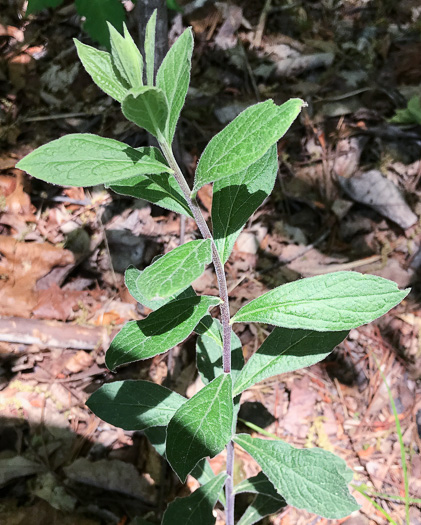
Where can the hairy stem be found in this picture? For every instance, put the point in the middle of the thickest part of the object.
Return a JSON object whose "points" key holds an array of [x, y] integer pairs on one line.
{"points": [[219, 267], [229, 485], [225, 313]]}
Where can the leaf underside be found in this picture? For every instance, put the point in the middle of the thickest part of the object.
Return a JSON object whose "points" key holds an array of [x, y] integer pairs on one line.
{"points": [[99, 65], [209, 348], [131, 281], [261, 506], [266, 502], [147, 108], [197, 508], [149, 48], [159, 188], [126, 56]]}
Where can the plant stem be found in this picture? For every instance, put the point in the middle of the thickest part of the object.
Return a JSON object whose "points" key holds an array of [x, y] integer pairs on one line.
{"points": [[225, 313], [219, 267], [229, 486]]}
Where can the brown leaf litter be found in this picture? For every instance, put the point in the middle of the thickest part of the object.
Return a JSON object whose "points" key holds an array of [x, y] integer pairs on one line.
{"points": [[21, 266]]}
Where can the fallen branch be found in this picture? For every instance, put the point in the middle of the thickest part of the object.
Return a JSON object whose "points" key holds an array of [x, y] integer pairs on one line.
{"points": [[52, 334]]}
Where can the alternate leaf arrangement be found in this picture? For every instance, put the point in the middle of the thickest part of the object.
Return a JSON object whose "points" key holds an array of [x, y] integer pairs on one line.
{"points": [[311, 316]]}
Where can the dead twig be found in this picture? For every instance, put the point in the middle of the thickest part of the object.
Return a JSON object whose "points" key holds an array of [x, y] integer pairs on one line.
{"points": [[52, 334], [262, 23]]}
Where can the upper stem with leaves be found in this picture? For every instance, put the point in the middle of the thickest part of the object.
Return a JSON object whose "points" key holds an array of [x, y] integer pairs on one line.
{"points": [[310, 316], [225, 313]]}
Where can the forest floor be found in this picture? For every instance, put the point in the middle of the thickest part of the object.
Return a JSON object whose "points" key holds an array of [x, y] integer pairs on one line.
{"points": [[347, 197]]}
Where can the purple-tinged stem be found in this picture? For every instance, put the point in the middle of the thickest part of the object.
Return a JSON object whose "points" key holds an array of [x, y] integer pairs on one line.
{"points": [[219, 267], [225, 312]]}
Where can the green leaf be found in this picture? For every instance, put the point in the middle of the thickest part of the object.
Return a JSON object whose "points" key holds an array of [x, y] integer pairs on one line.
{"points": [[266, 502], [172, 4], [411, 114], [99, 66], [38, 5], [414, 108], [284, 351], [147, 107], [201, 427], [196, 508], [82, 159], [126, 56], [237, 197], [175, 271], [135, 405], [131, 279], [261, 506], [160, 331], [157, 437], [160, 188], [209, 357], [150, 49], [209, 347], [140, 521], [173, 78], [311, 479], [203, 472], [97, 13], [258, 484], [245, 140], [336, 301]]}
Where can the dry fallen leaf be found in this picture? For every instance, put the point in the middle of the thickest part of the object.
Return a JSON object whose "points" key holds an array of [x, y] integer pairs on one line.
{"points": [[17, 209], [301, 408], [348, 154], [114, 475], [79, 361], [17, 467], [21, 266], [57, 304], [226, 38], [374, 190]]}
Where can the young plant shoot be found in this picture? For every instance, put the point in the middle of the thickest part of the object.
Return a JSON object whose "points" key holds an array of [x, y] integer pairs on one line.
{"points": [[310, 316]]}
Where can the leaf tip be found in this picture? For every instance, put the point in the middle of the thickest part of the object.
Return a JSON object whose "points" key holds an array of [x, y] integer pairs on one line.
{"points": [[78, 43], [88, 402], [21, 164], [110, 363], [405, 292], [153, 16]]}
